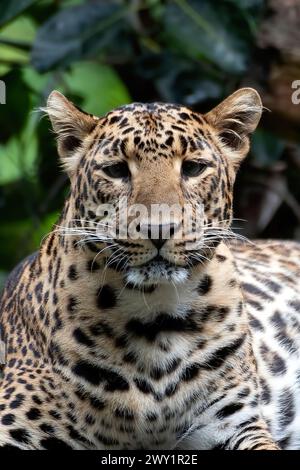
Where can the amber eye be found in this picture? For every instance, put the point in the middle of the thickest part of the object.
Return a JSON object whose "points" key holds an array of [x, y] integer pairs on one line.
{"points": [[192, 168], [117, 170]]}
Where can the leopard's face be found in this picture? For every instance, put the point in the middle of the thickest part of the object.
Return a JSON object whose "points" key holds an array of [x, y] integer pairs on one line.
{"points": [[153, 183]]}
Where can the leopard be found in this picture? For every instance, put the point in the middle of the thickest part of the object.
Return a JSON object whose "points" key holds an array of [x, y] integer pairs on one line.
{"points": [[152, 341]]}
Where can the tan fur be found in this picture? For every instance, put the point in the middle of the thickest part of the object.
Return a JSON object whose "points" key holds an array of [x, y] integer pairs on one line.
{"points": [[110, 346]]}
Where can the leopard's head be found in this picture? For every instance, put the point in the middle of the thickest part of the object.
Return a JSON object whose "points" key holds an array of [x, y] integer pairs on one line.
{"points": [[152, 184]]}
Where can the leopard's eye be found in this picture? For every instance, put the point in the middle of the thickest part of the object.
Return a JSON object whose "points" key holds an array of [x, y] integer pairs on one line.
{"points": [[192, 168], [117, 170]]}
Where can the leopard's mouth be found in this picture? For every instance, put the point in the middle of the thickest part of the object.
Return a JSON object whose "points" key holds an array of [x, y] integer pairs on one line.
{"points": [[158, 270], [158, 261]]}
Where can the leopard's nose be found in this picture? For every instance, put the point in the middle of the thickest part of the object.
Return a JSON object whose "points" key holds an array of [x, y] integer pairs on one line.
{"points": [[159, 234]]}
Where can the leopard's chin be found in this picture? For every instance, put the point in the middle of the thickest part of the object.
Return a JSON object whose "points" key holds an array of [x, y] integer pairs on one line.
{"points": [[156, 271]]}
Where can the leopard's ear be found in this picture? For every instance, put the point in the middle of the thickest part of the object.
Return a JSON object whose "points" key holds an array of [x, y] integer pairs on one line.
{"points": [[236, 118], [71, 126]]}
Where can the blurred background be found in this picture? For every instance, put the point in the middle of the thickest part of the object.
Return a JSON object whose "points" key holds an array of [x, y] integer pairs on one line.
{"points": [[102, 54]]}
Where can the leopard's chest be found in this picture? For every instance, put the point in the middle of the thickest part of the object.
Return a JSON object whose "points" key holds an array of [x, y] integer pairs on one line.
{"points": [[148, 415], [155, 372], [150, 403]]}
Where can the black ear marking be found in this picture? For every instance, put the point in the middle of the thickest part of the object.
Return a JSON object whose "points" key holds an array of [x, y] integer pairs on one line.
{"points": [[230, 138], [71, 125], [236, 118], [70, 143]]}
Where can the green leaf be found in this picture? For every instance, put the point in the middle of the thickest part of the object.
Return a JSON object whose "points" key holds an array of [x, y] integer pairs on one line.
{"points": [[35, 81], [18, 157], [81, 31], [4, 69], [98, 86], [18, 145], [203, 32], [11, 8], [22, 28], [19, 32]]}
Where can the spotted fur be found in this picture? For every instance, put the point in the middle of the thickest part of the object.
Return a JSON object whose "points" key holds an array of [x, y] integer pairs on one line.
{"points": [[111, 347]]}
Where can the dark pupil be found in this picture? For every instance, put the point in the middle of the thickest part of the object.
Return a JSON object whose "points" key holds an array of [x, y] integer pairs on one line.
{"points": [[119, 170], [192, 168]]}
